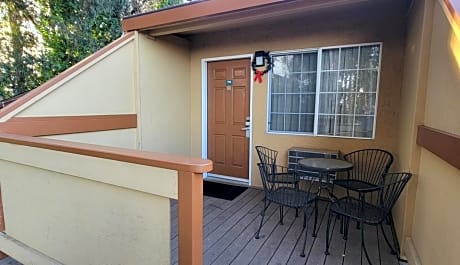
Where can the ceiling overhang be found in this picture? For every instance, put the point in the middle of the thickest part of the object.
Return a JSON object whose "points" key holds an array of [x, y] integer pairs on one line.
{"points": [[216, 14]]}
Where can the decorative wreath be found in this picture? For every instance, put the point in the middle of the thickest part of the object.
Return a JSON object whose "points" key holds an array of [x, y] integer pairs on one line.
{"points": [[268, 63]]}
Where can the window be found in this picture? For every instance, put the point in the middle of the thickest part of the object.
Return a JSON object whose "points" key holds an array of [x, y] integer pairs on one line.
{"points": [[328, 91]]}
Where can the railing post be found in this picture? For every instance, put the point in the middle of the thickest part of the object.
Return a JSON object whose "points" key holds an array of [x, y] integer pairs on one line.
{"points": [[190, 218], [2, 222]]}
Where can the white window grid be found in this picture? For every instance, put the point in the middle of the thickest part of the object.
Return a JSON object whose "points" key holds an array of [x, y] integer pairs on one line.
{"points": [[286, 94], [317, 93]]}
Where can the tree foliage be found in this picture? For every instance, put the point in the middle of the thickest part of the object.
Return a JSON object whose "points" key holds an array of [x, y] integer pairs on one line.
{"points": [[74, 29], [41, 38], [19, 51]]}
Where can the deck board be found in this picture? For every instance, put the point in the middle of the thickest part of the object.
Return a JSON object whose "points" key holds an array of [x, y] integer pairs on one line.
{"points": [[315, 244], [233, 222], [241, 241], [246, 255], [271, 244], [229, 236], [230, 226], [337, 244], [353, 248], [212, 252], [288, 243], [210, 211]]}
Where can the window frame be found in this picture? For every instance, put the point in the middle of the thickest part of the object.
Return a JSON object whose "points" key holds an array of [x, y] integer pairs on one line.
{"points": [[319, 52]]}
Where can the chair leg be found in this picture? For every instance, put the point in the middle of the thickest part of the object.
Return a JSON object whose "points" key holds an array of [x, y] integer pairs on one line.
{"points": [[342, 225], [262, 219], [327, 233], [363, 246], [393, 252], [316, 218], [304, 219], [378, 244], [387, 220], [302, 254], [281, 214], [395, 236], [361, 199], [346, 224], [297, 209]]}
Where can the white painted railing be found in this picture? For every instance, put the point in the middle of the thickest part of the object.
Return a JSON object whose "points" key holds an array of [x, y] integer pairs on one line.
{"points": [[74, 203]]}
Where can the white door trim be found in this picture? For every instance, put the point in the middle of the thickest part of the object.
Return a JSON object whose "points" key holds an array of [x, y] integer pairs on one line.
{"points": [[204, 112]]}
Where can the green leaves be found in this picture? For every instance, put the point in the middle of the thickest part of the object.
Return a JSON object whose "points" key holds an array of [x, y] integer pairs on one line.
{"points": [[19, 50], [74, 29], [41, 38]]}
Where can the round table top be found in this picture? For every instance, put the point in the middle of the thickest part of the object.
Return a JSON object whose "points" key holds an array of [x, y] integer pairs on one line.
{"points": [[326, 164]]}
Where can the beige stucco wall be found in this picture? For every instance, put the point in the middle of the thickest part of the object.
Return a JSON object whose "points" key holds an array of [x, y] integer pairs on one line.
{"points": [[343, 27], [164, 94], [417, 50], [150, 77], [125, 138], [435, 230], [85, 210], [103, 87]]}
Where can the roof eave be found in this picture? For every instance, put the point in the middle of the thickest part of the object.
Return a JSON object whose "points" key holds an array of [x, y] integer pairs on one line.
{"points": [[206, 13]]}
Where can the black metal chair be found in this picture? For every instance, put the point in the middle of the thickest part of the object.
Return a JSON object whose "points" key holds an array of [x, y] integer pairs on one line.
{"points": [[268, 156], [284, 190], [369, 167], [373, 209]]}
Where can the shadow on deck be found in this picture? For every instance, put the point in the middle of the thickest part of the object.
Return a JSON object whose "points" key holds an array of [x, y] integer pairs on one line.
{"points": [[229, 228]]}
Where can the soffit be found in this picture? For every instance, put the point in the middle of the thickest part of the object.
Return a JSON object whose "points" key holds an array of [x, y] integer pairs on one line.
{"points": [[205, 16]]}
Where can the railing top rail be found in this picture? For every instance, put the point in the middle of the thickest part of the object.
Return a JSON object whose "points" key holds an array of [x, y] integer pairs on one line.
{"points": [[168, 161]]}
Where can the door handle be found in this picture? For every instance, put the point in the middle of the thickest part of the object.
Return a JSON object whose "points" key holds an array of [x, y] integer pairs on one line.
{"points": [[247, 131]]}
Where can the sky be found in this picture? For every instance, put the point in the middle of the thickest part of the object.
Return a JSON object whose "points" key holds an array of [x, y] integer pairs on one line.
{"points": [[456, 5]]}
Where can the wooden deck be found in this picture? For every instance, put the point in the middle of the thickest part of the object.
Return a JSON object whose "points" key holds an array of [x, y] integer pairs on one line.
{"points": [[229, 228]]}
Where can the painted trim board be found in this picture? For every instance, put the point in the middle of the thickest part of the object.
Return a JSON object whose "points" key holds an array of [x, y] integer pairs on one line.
{"points": [[58, 125], [443, 144]]}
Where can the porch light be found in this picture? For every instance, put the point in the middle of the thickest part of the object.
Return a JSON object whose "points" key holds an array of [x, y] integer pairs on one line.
{"points": [[261, 59]]}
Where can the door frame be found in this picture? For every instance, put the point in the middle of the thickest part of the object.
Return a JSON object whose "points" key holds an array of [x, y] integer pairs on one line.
{"points": [[204, 115]]}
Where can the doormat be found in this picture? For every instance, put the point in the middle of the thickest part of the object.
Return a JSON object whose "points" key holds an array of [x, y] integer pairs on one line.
{"points": [[222, 191]]}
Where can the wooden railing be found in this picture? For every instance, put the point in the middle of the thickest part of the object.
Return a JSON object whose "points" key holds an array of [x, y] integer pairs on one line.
{"points": [[59, 125], [443, 144], [56, 194]]}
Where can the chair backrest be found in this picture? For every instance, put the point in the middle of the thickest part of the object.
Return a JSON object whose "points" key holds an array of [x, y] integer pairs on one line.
{"points": [[393, 187], [266, 155], [275, 179], [266, 174], [369, 165]]}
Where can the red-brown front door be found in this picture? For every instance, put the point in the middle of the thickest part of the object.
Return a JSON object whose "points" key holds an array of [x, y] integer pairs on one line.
{"points": [[228, 109]]}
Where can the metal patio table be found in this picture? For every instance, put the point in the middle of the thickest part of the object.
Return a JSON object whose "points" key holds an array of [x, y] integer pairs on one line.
{"points": [[324, 167]]}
